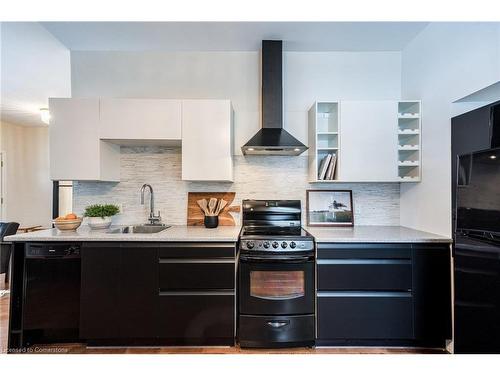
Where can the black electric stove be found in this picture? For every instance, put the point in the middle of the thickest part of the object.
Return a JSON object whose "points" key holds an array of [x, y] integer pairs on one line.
{"points": [[276, 276]]}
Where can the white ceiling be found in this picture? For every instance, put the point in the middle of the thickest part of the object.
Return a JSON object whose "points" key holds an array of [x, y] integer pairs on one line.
{"points": [[234, 36]]}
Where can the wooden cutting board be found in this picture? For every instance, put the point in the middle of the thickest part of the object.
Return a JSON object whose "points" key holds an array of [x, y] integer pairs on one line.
{"points": [[195, 215]]}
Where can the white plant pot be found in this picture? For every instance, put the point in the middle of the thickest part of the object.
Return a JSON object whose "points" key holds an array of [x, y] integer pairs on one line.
{"points": [[99, 222]]}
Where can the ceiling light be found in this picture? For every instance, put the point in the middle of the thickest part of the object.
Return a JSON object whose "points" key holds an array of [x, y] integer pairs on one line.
{"points": [[45, 115]]}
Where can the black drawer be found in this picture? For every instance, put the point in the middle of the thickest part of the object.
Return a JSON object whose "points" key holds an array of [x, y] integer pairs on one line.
{"points": [[196, 274], [365, 316], [198, 250], [364, 251], [197, 318], [277, 331], [364, 274]]}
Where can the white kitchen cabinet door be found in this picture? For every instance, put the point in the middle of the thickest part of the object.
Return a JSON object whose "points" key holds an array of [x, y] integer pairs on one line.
{"points": [[140, 119], [76, 153], [368, 150], [207, 140]]}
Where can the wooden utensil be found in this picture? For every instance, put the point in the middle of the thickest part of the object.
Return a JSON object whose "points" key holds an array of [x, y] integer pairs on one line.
{"points": [[216, 212], [196, 216], [221, 205], [212, 204], [203, 205]]}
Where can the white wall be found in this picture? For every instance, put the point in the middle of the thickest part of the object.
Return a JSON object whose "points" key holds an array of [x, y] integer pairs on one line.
{"points": [[28, 189], [308, 76], [34, 67], [445, 62]]}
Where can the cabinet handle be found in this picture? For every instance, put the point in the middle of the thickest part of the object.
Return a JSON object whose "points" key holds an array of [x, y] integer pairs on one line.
{"points": [[363, 294], [364, 261], [198, 293], [200, 261]]}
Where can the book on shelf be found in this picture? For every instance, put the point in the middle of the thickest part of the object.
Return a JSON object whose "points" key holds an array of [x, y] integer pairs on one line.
{"points": [[327, 167], [331, 168], [324, 167]]}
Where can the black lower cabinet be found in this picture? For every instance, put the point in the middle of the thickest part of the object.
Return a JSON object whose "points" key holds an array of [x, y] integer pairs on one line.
{"points": [[196, 274], [197, 318], [365, 316], [197, 294], [140, 292], [100, 300], [119, 291], [157, 293], [384, 294]]}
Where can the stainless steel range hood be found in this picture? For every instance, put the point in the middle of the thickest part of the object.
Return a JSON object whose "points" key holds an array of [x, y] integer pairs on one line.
{"points": [[272, 139]]}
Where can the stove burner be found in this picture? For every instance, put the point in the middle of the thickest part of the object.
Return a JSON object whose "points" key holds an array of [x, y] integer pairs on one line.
{"points": [[274, 226], [274, 231]]}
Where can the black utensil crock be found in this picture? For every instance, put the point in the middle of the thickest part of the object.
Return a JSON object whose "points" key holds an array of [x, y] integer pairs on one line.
{"points": [[211, 221]]}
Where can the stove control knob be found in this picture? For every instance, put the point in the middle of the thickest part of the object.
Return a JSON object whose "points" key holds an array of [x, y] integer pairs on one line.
{"points": [[284, 245], [266, 244], [275, 244], [250, 245], [293, 245]]}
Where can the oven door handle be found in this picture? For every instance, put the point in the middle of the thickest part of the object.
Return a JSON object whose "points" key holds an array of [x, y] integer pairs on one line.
{"points": [[286, 259], [284, 298], [278, 323]]}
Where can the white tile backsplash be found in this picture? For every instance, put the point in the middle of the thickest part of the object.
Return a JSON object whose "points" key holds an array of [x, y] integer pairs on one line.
{"points": [[256, 177]]}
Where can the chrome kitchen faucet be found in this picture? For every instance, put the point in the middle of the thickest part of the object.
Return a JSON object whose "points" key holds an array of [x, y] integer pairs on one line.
{"points": [[153, 219]]}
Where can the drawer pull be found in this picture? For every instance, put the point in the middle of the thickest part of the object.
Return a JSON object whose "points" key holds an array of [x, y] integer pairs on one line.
{"points": [[199, 293], [202, 261], [364, 261], [364, 294]]}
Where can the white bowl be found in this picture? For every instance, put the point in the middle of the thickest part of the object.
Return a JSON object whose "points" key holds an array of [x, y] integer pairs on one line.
{"points": [[99, 222]]}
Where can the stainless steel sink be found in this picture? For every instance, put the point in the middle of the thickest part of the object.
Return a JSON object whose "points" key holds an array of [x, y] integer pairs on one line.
{"points": [[146, 228]]}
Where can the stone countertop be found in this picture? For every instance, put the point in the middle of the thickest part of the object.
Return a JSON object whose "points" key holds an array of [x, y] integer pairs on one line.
{"points": [[182, 233], [374, 234], [176, 233]]}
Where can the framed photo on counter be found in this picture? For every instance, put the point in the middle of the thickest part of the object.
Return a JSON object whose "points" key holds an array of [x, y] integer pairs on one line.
{"points": [[329, 208]]}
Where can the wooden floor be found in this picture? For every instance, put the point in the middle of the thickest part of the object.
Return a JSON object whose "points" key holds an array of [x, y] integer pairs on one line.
{"points": [[83, 349]]}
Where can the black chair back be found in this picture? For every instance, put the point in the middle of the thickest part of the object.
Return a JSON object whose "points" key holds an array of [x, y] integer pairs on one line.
{"points": [[6, 229]]}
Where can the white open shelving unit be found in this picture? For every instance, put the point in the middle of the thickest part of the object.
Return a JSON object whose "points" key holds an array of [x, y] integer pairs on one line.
{"points": [[409, 140], [324, 137], [373, 141]]}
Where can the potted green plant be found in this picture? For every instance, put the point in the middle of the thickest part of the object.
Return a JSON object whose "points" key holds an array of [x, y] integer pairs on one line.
{"points": [[100, 215]]}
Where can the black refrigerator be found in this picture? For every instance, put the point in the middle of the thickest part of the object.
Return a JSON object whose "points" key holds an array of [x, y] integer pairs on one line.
{"points": [[477, 253]]}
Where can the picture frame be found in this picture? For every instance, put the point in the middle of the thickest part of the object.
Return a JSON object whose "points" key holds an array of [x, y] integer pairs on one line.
{"points": [[329, 208]]}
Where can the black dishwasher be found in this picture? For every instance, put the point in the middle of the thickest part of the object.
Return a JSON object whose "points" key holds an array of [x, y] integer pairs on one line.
{"points": [[51, 308]]}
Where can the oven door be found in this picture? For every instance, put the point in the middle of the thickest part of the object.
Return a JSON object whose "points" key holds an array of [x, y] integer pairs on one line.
{"points": [[276, 285]]}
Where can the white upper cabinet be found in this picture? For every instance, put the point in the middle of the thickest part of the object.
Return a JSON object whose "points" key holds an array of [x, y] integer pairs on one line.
{"points": [[366, 141], [157, 120], [76, 152], [85, 135], [369, 139], [409, 140], [207, 140]]}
